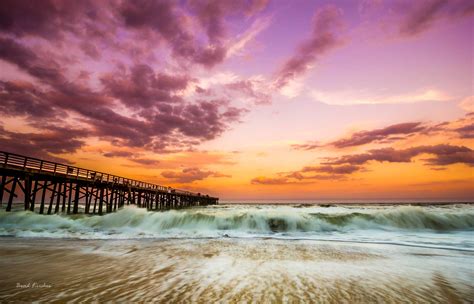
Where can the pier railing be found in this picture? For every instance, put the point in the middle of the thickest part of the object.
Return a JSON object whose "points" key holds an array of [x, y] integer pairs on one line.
{"points": [[73, 190], [43, 166]]}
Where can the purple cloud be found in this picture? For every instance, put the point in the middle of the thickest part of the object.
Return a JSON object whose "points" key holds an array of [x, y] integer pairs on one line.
{"points": [[169, 21], [384, 134], [343, 169], [270, 181], [165, 120], [444, 154], [421, 15], [250, 89], [189, 175], [143, 88], [130, 100], [326, 22], [42, 145], [466, 131]]}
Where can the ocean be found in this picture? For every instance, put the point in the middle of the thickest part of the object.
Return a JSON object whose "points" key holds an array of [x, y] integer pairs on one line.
{"points": [[233, 253]]}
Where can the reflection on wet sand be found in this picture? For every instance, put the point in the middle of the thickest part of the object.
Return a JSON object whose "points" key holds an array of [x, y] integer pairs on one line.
{"points": [[231, 270]]}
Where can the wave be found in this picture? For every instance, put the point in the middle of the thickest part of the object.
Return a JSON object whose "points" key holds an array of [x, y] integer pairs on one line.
{"points": [[134, 222]]}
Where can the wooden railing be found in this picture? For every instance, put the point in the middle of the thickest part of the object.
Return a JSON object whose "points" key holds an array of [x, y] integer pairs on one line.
{"points": [[43, 166]]}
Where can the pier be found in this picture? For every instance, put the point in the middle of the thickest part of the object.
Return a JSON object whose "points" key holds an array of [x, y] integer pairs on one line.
{"points": [[48, 187]]}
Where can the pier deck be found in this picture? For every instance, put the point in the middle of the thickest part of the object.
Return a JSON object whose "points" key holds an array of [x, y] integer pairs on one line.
{"points": [[48, 187]]}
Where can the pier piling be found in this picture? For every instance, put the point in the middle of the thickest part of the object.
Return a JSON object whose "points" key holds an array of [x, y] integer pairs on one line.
{"points": [[72, 190]]}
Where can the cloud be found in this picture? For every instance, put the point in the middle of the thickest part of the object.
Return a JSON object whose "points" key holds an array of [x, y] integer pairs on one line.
{"points": [[444, 154], [312, 145], [121, 69], [119, 154], [408, 19], [47, 19], [466, 131], [189, 175], [340, 168], [461, 128], [269, 181], [133, 157], [258, 26], [252, 88], [293, 87], [385, 134], [326, 22], [211, 14], [146, 162], [142, 87], [467, 104], [44, 145], [440, 155], [167, 20], [24, 99], [171, 22], [420, 16], [287, 180], [351, 97], [343, 169], [166, 119], [321, 172]]}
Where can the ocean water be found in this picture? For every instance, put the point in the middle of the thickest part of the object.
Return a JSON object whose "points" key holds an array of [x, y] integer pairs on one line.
{"points": [[243, 253]]}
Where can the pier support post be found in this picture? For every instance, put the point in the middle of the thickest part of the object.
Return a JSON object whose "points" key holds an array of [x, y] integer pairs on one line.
{"points": [[101, 200], [2, 187], [53, 193], [43, 196], [58, 199], [33, 199], [27, 191], [76, 199], [69, 201], [12, 194]]}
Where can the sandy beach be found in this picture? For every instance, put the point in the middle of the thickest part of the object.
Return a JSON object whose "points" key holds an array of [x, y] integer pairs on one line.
{"points": [[230, 271]]}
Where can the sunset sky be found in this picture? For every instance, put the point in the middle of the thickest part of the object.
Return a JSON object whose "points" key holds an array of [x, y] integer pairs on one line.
{"points": [[248, 99]]}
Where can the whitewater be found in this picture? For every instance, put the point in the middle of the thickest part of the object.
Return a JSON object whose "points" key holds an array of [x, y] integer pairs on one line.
{"points": [[450, 226]]}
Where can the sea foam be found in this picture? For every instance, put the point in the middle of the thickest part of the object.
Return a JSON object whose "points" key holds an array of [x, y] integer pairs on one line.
{"points": [[218, 221]]}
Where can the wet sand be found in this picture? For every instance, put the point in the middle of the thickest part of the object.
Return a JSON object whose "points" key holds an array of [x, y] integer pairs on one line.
{"points": [[230, 271]]}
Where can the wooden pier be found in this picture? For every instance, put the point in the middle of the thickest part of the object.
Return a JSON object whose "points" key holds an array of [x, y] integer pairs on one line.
{"points": [[47, 188]]}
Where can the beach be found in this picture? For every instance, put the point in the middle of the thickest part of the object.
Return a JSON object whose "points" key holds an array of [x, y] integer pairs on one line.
{"points": [[190, 259], [230, 271]]}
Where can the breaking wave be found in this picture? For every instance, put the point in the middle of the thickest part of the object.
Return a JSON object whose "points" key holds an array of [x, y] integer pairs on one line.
{"points": [[223, 221]]}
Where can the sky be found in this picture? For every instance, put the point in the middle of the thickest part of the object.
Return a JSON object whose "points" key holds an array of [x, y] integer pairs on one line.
{"points": [[247, 99]]}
